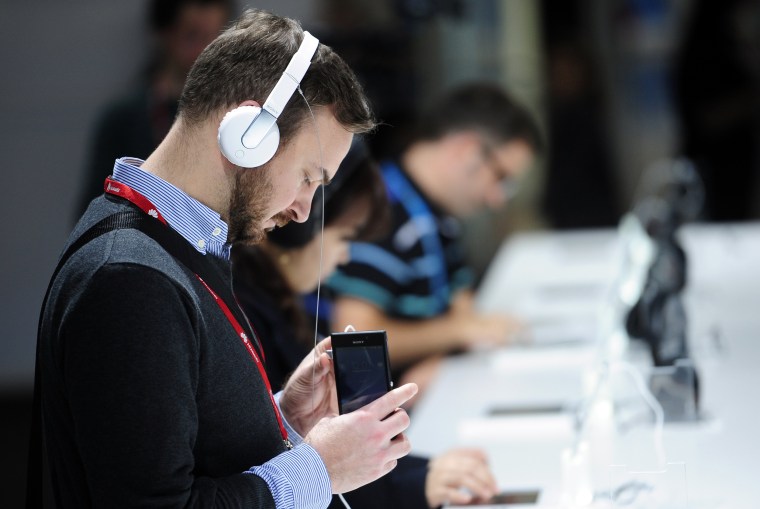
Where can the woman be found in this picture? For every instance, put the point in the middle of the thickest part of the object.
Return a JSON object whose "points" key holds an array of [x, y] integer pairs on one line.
{"points": [[270, 280]]}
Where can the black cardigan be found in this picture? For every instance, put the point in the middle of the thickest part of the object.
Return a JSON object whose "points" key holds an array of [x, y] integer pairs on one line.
{"points": [[149, 398]]}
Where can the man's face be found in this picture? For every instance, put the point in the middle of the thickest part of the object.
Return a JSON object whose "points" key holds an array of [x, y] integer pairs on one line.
{"points": [[282, 190], [490, 176]]}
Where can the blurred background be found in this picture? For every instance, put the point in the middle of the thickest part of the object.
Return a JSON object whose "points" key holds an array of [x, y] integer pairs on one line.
{"points": [[617, 85]]}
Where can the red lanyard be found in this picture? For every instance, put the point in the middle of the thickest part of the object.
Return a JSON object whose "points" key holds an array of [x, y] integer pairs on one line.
{"points": [[126, 192], [118, 189]]}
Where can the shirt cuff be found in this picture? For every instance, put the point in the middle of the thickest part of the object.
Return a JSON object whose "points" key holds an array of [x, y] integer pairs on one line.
{"points": [[293, 435], [297, 479]]}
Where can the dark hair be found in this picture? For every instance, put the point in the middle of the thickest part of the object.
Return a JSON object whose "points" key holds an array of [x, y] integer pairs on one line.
{"points": [[163, 14], [258, 274], [247, 59], [361, 180], [481, 107]]}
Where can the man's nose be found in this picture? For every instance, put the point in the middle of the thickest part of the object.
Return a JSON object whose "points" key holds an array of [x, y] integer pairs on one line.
{"points": [[302, 206]]}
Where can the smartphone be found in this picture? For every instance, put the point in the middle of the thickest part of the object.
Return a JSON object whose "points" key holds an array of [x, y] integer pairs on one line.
{"points": [[527, 497], [362, 369], [526, 410], [515, 497]]}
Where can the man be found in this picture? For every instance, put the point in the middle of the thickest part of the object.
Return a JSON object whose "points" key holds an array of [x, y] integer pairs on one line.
{"points": [[467, 154], [153, 390]]}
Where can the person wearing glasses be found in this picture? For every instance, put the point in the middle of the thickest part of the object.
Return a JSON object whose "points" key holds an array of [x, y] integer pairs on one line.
{"points": [[468, 152]]}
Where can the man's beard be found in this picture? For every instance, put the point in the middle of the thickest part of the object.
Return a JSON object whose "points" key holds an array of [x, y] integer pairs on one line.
{"points": [[248, 207]]}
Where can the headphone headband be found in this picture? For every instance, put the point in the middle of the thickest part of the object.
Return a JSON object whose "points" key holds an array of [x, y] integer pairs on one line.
{"points": [[248, 136], [292, 76], [282, 92]]}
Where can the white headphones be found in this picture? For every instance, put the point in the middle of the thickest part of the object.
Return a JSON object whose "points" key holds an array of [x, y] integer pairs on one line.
{"points": [[248, 135]]}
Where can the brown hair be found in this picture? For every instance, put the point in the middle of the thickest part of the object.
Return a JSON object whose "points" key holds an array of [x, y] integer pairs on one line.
{"points": [[248, 58], [483, 107], [359, 180]]}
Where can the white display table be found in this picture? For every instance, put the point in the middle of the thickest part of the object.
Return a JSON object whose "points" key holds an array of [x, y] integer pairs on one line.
{"points": [[561, 282]]}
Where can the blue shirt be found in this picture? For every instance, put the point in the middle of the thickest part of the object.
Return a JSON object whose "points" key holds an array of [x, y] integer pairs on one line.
{"points": [[413, 272], [297, 478], [199, 225]]}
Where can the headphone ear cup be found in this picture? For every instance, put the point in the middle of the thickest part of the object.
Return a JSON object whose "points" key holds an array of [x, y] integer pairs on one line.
{"points": [[230, 138]]}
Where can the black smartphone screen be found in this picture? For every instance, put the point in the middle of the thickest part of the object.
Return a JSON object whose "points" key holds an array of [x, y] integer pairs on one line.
{"points": [[511, 498], [526, 410], [362, 372], [516, 497]]}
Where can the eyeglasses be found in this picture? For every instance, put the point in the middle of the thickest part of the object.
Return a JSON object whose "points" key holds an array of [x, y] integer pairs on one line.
{"points": [[509, 184]]}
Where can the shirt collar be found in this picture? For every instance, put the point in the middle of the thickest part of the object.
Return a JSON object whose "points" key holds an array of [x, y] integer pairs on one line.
{"points": [[435, 209], [198, 224]]}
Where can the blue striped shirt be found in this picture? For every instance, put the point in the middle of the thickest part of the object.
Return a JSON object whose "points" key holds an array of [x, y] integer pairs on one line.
{"points": [[199, 225], [297, 478], [415, 270]]}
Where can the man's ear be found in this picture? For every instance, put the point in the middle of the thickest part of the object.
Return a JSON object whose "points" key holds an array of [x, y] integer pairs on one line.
{"points": [[247, 137], [249, 102]]}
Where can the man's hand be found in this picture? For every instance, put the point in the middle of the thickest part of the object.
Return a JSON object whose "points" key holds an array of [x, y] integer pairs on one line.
{"points": [[309, 395], [491, 330], [454, 470], [364, 445], [476, 329]]}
